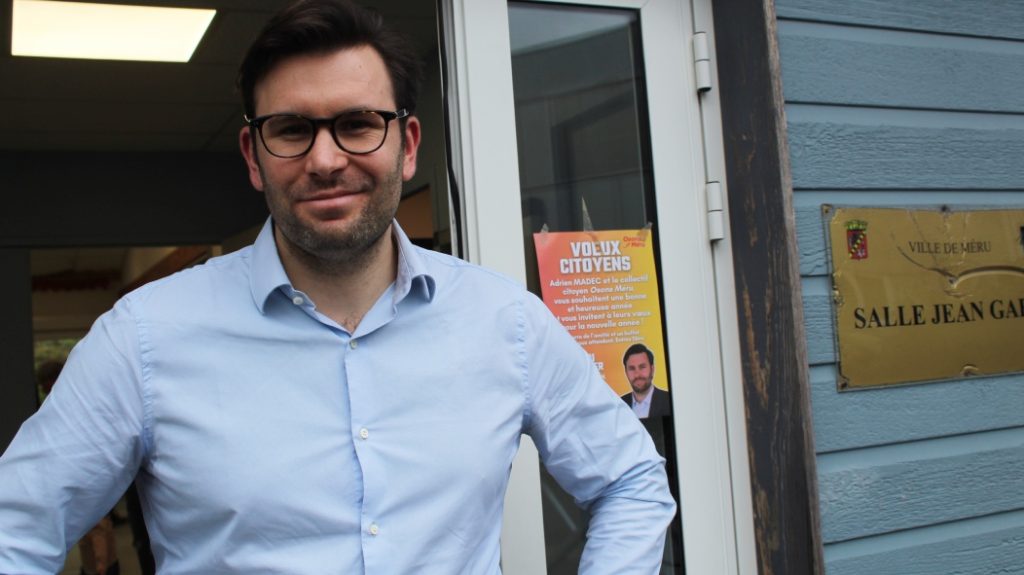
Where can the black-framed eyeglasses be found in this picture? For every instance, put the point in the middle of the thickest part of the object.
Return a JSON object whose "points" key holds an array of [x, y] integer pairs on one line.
{"points": [[356, 132]]}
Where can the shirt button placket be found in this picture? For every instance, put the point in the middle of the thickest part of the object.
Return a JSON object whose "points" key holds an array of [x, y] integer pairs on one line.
{"points": [[373, 530]]}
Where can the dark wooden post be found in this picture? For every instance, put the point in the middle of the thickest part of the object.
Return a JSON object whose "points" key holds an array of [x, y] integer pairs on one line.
{"points": [[766, 260]]}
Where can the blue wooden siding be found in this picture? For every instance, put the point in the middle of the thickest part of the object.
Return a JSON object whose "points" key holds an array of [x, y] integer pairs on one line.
{"points": [[909, 103]]}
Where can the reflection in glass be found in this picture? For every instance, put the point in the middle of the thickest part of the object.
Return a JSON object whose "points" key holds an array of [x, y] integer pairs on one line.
{"points": [[584, 163]]}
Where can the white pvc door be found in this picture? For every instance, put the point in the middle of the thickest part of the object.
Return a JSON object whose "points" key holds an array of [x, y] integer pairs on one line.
{"points": [[576, 116]]}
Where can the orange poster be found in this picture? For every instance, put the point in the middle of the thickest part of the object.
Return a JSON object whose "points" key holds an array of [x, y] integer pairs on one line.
{"points": [[603, 287]]}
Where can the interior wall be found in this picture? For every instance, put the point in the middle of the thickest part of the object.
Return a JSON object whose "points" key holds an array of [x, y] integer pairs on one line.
{"points": [[17, 380], [165, 198], [415, 215], [432, 162]]}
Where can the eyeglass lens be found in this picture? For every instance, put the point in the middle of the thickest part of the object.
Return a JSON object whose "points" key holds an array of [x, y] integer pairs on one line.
{"points": [[355, 132]]}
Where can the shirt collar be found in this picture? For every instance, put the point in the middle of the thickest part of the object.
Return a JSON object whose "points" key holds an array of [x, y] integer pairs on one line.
{"points": [[647, 400], [412, 274], [268, 275]]}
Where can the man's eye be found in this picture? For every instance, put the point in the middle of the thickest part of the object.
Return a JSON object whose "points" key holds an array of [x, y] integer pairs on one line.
{"points": [[357, 123], [288, 128], [353, 125]]}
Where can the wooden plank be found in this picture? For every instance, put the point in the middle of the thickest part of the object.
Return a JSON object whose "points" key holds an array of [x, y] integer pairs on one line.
{"points": [[884, 416], [811, 237], [819, 328], [984, 18], [885, 489], [983, 546], [855, 66], [886, 149], [774, 364]]}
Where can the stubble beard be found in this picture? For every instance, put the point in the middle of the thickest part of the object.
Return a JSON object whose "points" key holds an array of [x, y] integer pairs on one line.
{"points": [[338, 251], [640, 385]]}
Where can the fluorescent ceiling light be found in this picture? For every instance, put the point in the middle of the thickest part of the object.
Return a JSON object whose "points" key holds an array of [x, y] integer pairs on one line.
{"points": [[106, 31]]}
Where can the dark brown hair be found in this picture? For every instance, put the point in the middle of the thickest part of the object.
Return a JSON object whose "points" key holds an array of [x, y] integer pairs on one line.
{"points": [[321, 26], [638, 348]]}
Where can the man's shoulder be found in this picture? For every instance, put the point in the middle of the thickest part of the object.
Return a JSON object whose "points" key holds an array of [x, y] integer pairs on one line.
{"points": [[481, 292], [661, 402], [459, 274], [192, 286]]}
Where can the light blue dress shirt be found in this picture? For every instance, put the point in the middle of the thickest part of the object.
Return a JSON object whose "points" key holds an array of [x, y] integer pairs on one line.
{"points": [[643, 408], [267, 439]]}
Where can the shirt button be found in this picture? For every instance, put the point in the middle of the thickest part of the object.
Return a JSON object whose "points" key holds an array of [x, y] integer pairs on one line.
{"points": [[297, 300], [364, 433], [353, 344], [374, 530]]}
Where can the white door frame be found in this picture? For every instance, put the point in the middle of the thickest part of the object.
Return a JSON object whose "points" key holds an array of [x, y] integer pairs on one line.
{"points": [[483, 139]]}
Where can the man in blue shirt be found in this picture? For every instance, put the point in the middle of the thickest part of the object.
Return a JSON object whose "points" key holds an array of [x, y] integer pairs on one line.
{"points": [[331, 399]]}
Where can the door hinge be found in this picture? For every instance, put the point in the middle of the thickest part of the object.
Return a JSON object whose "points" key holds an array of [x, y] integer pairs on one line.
{"points": [[716, 215], [702, 61]]}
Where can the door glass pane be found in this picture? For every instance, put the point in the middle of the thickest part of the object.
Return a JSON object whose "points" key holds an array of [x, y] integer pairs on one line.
{"points": [[584, 164]]}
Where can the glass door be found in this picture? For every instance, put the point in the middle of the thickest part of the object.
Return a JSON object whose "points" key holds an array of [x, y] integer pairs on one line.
{"points": [[579, 128], [585, 166]]}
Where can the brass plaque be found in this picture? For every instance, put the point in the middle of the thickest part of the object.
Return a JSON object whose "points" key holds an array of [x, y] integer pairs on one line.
{"points": [[924, 295]]}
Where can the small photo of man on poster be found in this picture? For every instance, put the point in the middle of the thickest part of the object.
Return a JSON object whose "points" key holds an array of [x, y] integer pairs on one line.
{"points": [[645, 399]]}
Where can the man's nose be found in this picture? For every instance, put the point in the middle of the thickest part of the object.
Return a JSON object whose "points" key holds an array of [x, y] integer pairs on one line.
{"points": [[325, 157]]}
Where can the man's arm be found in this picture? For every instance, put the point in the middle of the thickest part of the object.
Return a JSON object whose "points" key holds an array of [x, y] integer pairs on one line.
{"points": [[72, 460], [597, 450]]}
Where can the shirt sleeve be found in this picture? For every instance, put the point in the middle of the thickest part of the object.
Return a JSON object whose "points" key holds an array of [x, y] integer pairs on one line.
{"points": [[597, 450], [71, 461]]}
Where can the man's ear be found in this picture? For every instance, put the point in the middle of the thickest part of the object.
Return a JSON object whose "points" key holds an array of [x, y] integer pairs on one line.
{"points": [[247, 143], [410, 146]]}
